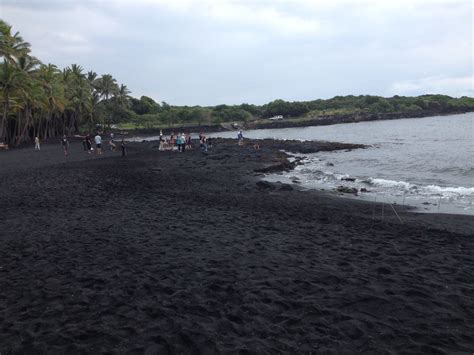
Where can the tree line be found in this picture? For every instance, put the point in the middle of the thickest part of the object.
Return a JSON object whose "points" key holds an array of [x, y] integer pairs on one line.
{"points": [[40, 100], [145, 112]]}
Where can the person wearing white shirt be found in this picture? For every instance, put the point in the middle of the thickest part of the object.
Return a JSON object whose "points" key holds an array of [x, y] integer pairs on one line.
{"points": [[98, 143]]}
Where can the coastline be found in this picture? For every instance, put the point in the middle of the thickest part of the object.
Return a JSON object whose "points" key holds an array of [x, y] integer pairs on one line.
{"points": [[353, 118], [170, 252], [317, 121]]}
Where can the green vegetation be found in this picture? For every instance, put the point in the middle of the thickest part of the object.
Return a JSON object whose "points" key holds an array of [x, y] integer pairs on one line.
{"points": [[41, 100], [163, 116]]}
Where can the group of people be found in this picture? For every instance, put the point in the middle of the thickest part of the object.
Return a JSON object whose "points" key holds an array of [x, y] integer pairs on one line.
{"points": [[179, 142], [87, 144]]}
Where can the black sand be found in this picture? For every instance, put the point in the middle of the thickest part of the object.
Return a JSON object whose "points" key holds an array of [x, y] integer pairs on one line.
{"points": [[162, 252]]}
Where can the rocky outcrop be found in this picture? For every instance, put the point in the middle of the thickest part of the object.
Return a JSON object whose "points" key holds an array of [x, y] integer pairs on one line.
{"points": [[349, 118], [347, 190]]}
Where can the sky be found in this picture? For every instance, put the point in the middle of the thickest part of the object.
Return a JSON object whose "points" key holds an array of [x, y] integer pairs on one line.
{"points": [[204, 52]]}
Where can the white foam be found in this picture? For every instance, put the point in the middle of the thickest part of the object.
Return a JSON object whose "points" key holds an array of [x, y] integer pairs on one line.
{"points": [[461, 191], [390, 183]]}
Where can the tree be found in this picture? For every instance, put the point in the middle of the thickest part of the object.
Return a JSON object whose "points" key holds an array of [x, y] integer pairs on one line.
{"points": [[121, 98], [12, 46], [107, 86]]}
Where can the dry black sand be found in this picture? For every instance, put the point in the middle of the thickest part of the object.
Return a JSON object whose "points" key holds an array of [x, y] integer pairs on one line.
{"points": [[162, 252]]}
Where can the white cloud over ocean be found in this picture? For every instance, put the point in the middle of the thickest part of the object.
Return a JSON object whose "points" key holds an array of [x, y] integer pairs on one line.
{"points": [[231, 51]]}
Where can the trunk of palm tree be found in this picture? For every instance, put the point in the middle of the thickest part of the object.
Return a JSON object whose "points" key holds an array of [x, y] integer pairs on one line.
{"points": [[3, 127], [15, 130]]}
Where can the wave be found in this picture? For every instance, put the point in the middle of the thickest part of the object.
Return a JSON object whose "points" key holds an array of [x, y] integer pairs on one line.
{"points": [[463, 191], [390, 183], [445, 191]]}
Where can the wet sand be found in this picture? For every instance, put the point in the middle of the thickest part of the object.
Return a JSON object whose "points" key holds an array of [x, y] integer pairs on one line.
{"points": [[162, 252]]}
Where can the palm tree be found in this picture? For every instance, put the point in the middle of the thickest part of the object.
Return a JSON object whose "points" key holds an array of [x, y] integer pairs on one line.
{"points": [[41, 100], [121, 98], [11, 46], [50, 79], [12, 83], [107, 86]]}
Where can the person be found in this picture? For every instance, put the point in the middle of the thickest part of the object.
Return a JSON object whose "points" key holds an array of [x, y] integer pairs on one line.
{"points": [[162, 144], [84, 144], [178, 142], [122, 147], [88, 144], [65, 144], [240, 137], [203, 142], [183, 142], [37, 144], [188, 141], [112, 145], [172, 141], [209, 143], [98, 143]]}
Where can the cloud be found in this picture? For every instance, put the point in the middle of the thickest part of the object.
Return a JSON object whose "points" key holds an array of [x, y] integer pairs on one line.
{"points": [[456, 86], [229, 51]]}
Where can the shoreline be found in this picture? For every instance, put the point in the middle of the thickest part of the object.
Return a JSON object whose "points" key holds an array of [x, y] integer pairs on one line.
{"points": [[176, 252], [317, 121]]}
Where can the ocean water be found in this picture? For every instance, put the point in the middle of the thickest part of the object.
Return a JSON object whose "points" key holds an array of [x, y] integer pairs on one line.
{"points": [[424, 162]]}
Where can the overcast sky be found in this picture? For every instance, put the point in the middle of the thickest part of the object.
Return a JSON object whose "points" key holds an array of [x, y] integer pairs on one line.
{"points": [[203, 52]]}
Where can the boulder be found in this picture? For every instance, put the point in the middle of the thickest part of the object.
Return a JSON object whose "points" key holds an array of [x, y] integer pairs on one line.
{"points": [[347, 190]]}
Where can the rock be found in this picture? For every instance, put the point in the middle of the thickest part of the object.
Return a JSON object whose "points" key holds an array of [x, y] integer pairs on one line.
{"points": [[286, 187], [329, 164], [347, 190], [364, 190], [295, 180], [348, 179], [282, 166], [265, 185]]}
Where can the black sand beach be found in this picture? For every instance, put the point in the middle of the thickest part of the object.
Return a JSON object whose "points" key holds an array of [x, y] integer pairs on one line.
{"points": [[162, 252]]}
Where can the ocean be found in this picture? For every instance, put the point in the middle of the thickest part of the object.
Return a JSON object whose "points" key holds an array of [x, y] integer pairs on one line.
{"points": [[426, 162]]}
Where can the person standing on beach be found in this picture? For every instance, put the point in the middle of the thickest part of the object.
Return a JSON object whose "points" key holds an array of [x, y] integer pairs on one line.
{"points": [[37, 144], [203, 141], [240, 137], [122, 147], [65, 144], [161, 147], [172, 141], [112, 145], [84, 144], [98, 143], [183, 142], [188, 141], [88, 144]]}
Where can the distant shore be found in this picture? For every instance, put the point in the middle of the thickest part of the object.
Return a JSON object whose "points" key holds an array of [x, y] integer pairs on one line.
{"points": [[167, 252], [289, 123]]}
